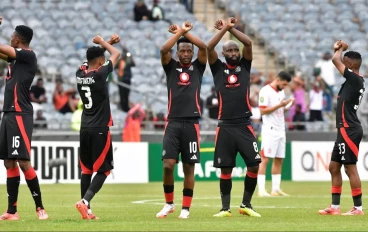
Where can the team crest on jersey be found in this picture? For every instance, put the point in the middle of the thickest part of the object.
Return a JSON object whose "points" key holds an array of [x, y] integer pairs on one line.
{"points": [[238, 69], [232, 81], [106, 63], [184, 79]]}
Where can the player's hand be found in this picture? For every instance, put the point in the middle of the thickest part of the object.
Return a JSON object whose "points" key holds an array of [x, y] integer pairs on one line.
{"points": [[114, 39], [231, 22], [97, 39], [283, 103], [337, 45], [187, 26], [173, 29], [219, 24], [344, 46], [1, 19]]}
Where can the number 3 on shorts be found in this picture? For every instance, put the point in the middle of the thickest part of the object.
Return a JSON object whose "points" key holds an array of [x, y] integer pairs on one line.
{"points": [[88, 96], [255, 146]]}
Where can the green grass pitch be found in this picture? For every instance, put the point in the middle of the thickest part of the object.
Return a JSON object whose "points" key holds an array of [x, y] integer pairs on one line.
{"points": [[132, 207]]}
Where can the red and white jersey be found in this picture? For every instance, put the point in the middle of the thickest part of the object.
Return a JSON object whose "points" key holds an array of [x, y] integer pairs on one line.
{"points": [[268, 97]]}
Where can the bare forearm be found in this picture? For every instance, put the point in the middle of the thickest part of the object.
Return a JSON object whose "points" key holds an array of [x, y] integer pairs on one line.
{"points": [[243, 38], [171, 42], [195, 40], [114, 52], [337, 57], [216, 39]]}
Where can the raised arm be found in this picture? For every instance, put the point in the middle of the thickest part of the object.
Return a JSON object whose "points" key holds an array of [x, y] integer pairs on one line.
{"points": [[336, 59], [243, 38], [202, 53], [114, 52], [212, 54], [7, 51], [165, 50]]}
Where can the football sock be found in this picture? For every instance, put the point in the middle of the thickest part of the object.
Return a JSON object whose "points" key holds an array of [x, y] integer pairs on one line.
{"points": [[187, 198], [276, 180], [34, 186], [261, 183], [250, 183], [357, 197], [169, 194], [85, 183], [225, 190], [95, 186], [336, 195], [12, 186]]}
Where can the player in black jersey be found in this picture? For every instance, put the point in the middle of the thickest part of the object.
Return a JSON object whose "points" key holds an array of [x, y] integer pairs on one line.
{"points": [[96, 154], [350, 132], [234, 132], [184, 79], [17, 122]]}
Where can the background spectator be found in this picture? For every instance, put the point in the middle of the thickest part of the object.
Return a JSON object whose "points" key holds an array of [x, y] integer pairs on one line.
{"points": [[316, 100], [141, 11], [38, 92], [212, 104], [299, 118], [77, 117], [298, 91], [40, 120], [157, 11], [132, 127], [188, 4], [64, 101], [124, 73]]}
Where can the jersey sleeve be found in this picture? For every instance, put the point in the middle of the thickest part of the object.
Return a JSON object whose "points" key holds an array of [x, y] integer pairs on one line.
{"points": [[199, 65], [215, 67], [169, 66], [263, 99], [352, 77], [24, 55], [246, 63]]}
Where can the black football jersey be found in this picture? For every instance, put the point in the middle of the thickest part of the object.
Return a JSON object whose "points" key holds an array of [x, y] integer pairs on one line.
{"points": [[348, 100], [92, 90], [184, 88], [21, 71], [232, 85]]}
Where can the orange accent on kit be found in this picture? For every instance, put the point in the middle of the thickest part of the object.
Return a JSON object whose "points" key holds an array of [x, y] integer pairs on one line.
{"points": [[356, 192], [30, 174], [252, 174], [187, 201], [336, 189], [225, 176], [350, 143], [12, 172]]}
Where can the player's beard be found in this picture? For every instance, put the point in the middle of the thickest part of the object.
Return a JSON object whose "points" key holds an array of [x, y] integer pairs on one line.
{"points": [[278, 88], [232, 61]]}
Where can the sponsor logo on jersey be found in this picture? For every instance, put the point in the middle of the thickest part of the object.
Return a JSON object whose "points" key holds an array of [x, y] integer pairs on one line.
{"points": [[184, 79], [232, 80]]}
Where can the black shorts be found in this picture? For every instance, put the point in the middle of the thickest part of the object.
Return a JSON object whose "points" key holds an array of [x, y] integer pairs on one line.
{"points": [[346, 148], [65, 109], [181, 136], [95, 151], [230, 140], [16, 136]]}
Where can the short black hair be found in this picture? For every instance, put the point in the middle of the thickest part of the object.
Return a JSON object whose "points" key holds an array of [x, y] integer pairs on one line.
{"points": [[26, 33], [182, 40], [39, 79], [284, 76], [94, 52], [353, 55]]}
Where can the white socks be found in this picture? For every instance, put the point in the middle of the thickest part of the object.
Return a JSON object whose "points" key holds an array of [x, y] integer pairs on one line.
{"points": [[276, 180], [261, 181]]}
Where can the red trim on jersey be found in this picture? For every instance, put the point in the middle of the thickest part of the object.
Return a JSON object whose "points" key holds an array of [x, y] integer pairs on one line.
{"points": [[262, 153], [88, 71], [217, 132], [16, 105], [247, 100], [225, 176], [85, 170], [102, 157], [252, 174], [107, 173], [196, 126], [110, 123], [273, 88], [197, 103], [169, 107], [12, 172], [350, 143], [23, 133], [343, 115], [230, 66], [262, 107], [185, 65], [336, 189], [220, 106], [251, 130]]}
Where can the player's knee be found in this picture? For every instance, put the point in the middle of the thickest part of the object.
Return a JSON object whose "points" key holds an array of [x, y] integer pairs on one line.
{"points": [[168, 167], [226, 171], [10, 164], [24, 165], [350, 172], [253, 169]]}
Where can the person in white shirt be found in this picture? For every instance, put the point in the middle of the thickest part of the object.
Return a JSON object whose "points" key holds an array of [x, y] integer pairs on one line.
{"points": [[272, 106], [316, 100], [328, 75]]}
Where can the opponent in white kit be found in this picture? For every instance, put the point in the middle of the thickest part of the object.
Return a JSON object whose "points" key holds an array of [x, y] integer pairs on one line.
{"points": [[272, 106]]}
